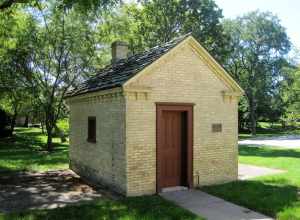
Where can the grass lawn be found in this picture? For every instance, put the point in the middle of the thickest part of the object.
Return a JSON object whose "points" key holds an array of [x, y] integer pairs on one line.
{"points": [[24, 152], [136, 208], [277, 195]]}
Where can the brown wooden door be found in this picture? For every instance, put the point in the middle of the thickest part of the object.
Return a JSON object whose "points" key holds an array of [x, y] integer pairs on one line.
{"points": [[171, 149], [174, 133]]}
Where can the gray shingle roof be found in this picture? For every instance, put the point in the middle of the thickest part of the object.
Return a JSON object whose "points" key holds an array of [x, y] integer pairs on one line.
{"points": [[117, 74]]}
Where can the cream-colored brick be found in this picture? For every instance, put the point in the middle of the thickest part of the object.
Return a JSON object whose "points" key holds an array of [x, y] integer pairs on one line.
{"points": [[104, 161]]}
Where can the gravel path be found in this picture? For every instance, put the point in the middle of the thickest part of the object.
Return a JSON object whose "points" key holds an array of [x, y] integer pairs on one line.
{"points": [[289, 141]]}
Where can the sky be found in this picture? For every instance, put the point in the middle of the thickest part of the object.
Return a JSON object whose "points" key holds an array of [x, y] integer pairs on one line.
{"points": [[288, 12]]}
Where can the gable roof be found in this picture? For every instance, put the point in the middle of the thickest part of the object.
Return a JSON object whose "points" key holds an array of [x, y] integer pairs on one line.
{"points": [[115, 75], [119, 73]]}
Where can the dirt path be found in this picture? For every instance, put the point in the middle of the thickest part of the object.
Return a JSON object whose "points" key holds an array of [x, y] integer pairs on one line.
{"points": [[52, 189]]}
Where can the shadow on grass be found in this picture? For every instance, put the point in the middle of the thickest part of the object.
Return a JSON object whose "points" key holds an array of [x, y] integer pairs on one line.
{"points": [[270, 132], [26, 149], [246, 150], [269, 199], [277, 131], [135, 208]]}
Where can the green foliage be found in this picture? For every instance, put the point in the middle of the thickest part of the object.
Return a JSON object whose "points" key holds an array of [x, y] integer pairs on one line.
{"points": [[64, 53], [15, 52], [154, 22], [87, 6], [291, 96], [47, 48], [275, 195], [7, 5], [63, 124], [118, 24], [80, 5], [258, 45]]}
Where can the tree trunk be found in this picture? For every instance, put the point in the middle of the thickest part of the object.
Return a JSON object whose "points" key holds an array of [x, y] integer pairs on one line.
{"points": [[252, 107], [49, 139], [49, 123], [49, 129], [13, 123], [26, 121], [283, 124], [43, 127]]}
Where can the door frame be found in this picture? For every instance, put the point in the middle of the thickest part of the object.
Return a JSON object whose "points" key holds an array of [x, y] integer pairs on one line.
{"points": [[179, 107]]}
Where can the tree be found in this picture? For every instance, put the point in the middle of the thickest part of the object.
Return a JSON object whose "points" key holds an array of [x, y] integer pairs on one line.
{"points": [[291, 95], [64, 50], [47, 47], [258, 46], [154, 22], [15, 51], [83, 5]]}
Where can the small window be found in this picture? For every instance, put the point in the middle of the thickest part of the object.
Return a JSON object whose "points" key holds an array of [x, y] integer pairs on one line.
{"points": [[216, 127], [91, 129]]}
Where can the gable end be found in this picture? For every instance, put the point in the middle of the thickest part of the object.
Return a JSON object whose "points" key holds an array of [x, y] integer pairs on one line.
{"points": [[216, 68]]}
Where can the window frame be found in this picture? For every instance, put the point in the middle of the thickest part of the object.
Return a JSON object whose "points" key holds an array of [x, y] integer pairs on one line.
{"points": [[92, 134]]}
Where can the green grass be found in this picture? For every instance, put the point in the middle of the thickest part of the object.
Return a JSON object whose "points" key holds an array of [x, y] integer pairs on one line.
{"points": [[25, 152], [276, 195], [136, 208]]}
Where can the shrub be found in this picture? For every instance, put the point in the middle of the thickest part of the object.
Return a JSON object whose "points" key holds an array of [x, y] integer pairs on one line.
{"points": [[63, 124]]}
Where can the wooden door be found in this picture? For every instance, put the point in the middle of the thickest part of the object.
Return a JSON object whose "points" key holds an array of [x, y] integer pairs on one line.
{"points": [[171, 149], [174, 150]]}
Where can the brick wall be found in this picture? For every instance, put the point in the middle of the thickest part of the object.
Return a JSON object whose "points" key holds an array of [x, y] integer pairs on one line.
{"points": [[181, 77], [102, 162]]}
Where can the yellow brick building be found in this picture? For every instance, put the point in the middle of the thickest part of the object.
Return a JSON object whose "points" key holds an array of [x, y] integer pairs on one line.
{"points": [[163, 118]]}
